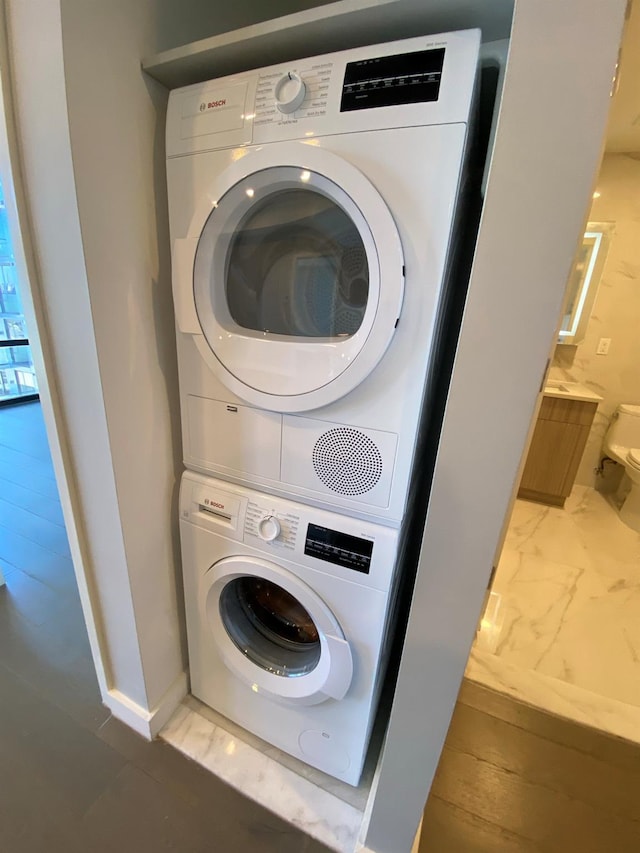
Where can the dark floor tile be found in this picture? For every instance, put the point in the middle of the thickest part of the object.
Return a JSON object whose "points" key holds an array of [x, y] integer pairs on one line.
{"points": [[314, 846], [139, 808], [13, 452], [59, 670], [45, 742], [48, 508], [31, 599], [17, 495], [22, 428], [185, 778], [7, 568], [199, 790], [28, 477], [32, 558], [38, 529], [58, 574], [31, 820]]}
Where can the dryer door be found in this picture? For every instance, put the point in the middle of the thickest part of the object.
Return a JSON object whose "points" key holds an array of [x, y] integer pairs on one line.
{"points": [[275, 633], [297, 277]]}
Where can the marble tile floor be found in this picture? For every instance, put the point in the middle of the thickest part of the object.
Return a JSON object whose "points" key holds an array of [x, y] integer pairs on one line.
{"points": [[288, 789], [562, 626]]}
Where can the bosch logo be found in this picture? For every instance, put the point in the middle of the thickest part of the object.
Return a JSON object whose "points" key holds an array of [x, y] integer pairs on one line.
{"points": [[213, 503], [211, 105]]}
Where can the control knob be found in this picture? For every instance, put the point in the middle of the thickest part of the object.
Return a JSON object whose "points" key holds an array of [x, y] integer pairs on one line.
{"points": [[269, 528], [290, 92]]}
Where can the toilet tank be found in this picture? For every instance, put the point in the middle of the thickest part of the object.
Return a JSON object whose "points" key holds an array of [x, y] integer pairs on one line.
{"points": [[624, 429]]}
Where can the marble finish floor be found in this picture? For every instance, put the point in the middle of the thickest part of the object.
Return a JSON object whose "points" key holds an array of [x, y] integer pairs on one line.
{"points": [[565, 605]]}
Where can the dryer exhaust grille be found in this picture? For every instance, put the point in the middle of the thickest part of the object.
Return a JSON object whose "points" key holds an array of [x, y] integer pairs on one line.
{"points": [[347, 461]]}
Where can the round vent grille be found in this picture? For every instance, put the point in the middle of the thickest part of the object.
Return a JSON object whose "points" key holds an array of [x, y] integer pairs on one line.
{"points": [[347, 461]]}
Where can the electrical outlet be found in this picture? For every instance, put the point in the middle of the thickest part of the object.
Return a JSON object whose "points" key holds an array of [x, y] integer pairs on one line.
{"points": [[603, 346]]}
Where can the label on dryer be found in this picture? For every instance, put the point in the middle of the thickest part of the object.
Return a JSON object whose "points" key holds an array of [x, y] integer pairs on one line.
{"points": [[214, 110]]}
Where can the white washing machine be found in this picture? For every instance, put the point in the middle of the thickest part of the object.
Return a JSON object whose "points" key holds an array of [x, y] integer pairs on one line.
{"points": [[288, 614], [311, 210]]}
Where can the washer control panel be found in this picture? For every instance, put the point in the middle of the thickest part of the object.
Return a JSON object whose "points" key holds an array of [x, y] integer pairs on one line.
{"points": [[343, 549], [271, 525], [293, 533]]}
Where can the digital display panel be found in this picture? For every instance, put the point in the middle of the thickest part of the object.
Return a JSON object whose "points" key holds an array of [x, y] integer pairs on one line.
{"points": [[406, 78], [352, 552]]}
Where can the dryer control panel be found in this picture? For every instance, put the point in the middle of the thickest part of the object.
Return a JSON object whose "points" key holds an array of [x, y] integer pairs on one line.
{"points": [[405, 83], [283, 530]]}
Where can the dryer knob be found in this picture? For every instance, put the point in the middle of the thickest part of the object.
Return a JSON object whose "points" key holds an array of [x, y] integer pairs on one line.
{"points": [[290, 92], [269, 528]]}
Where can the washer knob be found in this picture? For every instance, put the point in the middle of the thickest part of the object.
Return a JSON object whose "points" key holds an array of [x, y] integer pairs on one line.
{"points": [[269, 528], [290, 92]]}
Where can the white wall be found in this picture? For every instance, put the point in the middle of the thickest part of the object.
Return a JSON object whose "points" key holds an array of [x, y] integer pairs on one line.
{"points": [[116, 119], [547, 148], [65, 323], [99, 228], [106, 318]]}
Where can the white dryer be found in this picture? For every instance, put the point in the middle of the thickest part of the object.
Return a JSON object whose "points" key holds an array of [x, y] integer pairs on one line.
{"points": [[288, 613], [312, 208]]}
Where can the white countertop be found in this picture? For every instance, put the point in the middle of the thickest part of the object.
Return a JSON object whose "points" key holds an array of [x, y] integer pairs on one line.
{"points": [[570, 391]]}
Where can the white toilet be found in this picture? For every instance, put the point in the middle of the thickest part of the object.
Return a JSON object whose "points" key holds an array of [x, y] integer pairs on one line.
{"points": [[622, 444]]}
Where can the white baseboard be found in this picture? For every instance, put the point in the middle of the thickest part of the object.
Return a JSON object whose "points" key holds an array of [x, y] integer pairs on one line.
{"points": [[144, 722]]}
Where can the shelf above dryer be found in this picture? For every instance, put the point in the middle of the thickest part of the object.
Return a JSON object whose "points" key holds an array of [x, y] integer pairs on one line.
{"points": [[334, 26]]}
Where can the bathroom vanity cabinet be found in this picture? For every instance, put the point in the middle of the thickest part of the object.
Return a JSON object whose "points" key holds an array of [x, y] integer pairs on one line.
{"points": [[556, 449]]}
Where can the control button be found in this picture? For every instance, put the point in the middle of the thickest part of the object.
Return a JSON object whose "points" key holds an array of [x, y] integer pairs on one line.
{"points": [[289, 92], [269, 528]]}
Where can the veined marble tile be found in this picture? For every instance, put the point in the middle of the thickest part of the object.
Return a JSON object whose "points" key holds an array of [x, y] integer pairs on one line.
{"points": [[568, 584], [539, 599], [491, 624], [356, 797], [614, 548], [598, 648], [546, 532], [260, 777], [555, 696]]}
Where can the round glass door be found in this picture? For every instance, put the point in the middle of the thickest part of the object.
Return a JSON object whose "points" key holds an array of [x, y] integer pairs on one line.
{"points": [[297, 266], [288, 268], [269, 626], [275, 633]]}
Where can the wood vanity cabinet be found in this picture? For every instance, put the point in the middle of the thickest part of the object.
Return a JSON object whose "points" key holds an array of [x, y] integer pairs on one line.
{"points": [[556, 449]]}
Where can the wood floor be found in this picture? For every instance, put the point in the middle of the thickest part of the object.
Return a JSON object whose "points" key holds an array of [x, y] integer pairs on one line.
{"points": [[74, 780], [512, 779]]}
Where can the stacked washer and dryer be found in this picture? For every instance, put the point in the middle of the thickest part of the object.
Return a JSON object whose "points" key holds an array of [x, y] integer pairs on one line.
{"points": [[311, 213]]}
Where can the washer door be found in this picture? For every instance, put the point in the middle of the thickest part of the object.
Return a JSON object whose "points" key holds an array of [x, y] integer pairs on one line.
{"points": [[297, 275], [275, 633]]}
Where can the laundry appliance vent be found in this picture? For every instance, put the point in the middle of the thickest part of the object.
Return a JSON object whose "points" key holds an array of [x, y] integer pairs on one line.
{"points": [[347, 461]]}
